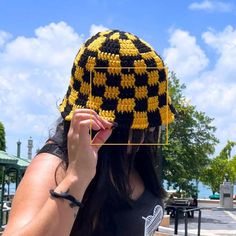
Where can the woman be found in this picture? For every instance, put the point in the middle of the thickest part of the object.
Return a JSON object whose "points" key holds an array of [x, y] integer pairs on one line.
{"points": [[86, 180]]}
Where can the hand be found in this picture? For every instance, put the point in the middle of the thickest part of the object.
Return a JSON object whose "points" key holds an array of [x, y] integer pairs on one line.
{"points": [[83, 156]]}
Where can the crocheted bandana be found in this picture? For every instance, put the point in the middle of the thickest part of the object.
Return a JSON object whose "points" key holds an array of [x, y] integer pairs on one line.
{"points": [[122, 78]]}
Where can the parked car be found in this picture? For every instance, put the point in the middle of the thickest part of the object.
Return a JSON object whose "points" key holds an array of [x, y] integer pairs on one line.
{"points": [[215, 196]]}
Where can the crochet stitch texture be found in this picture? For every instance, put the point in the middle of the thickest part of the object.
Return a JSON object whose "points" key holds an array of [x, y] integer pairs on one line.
{"points": [[122, 78]]}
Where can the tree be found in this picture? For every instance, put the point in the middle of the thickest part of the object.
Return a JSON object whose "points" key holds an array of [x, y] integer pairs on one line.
{"points": [[2, 137], [214, 173], [232, 165], [191, 141]]}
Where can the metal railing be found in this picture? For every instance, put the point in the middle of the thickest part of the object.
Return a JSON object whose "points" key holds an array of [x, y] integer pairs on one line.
{"points": [[186, 220], [5, 210], [186, 215]]}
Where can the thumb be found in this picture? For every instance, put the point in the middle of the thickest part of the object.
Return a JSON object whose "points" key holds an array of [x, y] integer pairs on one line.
{"points": [[100, 138]]}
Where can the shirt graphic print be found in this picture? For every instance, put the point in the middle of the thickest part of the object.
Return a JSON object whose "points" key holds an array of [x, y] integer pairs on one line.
{"points": [[153, 221]]}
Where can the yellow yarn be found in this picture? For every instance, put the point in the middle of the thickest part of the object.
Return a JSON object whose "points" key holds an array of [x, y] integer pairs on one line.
{"points": [[126, 105], [148, 55], [141, 92], [90, 63], [79, 72], [115, 36], [122, 78], [127, 80], [73, 96], [140, 66], [94, 102], [80, 53], [153, 103], [85, 88], [166, 115], [127, 48], [111, 92], [97, 43], [131, 36], [99, 78], [140, 120], [153, 77], [162, 88], [109, 115]]}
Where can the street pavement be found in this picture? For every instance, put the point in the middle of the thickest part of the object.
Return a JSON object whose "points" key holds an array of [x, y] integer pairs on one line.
{"points": [[215, 222]]}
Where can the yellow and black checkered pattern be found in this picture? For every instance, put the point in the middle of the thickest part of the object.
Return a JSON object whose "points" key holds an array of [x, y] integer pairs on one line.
{"points": [[122, 78]]}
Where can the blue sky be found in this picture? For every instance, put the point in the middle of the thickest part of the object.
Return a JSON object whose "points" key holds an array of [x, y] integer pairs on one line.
{"points": [[38, 41]]}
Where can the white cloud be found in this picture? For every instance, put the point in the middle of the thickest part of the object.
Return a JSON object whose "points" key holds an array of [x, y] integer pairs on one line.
{"points": [[205, 5], [184, 56], [219, 85], [217, 93], [213, 90], [4, 37], [211, 6], [96, 28], [51, 46], [225, 45], [213, 96], [34, 75]]}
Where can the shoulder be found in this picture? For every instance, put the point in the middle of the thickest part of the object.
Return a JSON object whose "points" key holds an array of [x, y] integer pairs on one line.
{"points": [[46, 166], [44, 172], [33, 190]]}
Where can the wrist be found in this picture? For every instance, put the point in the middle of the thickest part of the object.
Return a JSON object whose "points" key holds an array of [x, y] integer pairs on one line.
{"points": [[82, 176], [64, 195], [74, 185]]}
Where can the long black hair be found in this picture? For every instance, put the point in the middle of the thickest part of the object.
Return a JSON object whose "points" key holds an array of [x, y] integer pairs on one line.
{"points": [[109, 191]]}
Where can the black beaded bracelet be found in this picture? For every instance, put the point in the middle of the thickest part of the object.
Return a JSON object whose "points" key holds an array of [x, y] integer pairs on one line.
{"points": [[64, 195]]}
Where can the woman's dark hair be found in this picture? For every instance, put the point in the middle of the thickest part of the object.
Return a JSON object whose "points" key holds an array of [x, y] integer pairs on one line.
{"points": [[109, 191]]}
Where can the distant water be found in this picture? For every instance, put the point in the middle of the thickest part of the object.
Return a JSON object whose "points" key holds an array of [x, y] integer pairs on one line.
{"points": [[204, 191]]}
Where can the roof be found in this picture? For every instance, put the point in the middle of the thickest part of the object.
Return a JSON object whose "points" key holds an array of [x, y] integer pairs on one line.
{"points": [[22, 162], [6, 158]]}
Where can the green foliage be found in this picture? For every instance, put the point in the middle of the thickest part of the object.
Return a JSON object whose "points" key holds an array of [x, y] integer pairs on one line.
{"points": [[191, 141], [2, 137], [222, 165], [226, 151]]}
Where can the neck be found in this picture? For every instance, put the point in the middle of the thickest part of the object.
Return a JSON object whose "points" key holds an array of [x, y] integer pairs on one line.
{"points": [[136, 184]]}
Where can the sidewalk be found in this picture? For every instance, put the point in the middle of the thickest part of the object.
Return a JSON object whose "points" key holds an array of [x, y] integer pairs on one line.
{"points": [[214, 222]]}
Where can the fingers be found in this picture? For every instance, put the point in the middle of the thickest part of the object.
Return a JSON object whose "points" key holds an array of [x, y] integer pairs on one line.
{"points": [[83, 120], [84, 127], [82, 155], [94, 114], [78, 117], [82, 114], [100, 138]]}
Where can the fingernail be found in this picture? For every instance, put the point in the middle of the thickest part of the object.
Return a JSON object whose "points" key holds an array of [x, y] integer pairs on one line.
{"points": [[114, 124]]}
